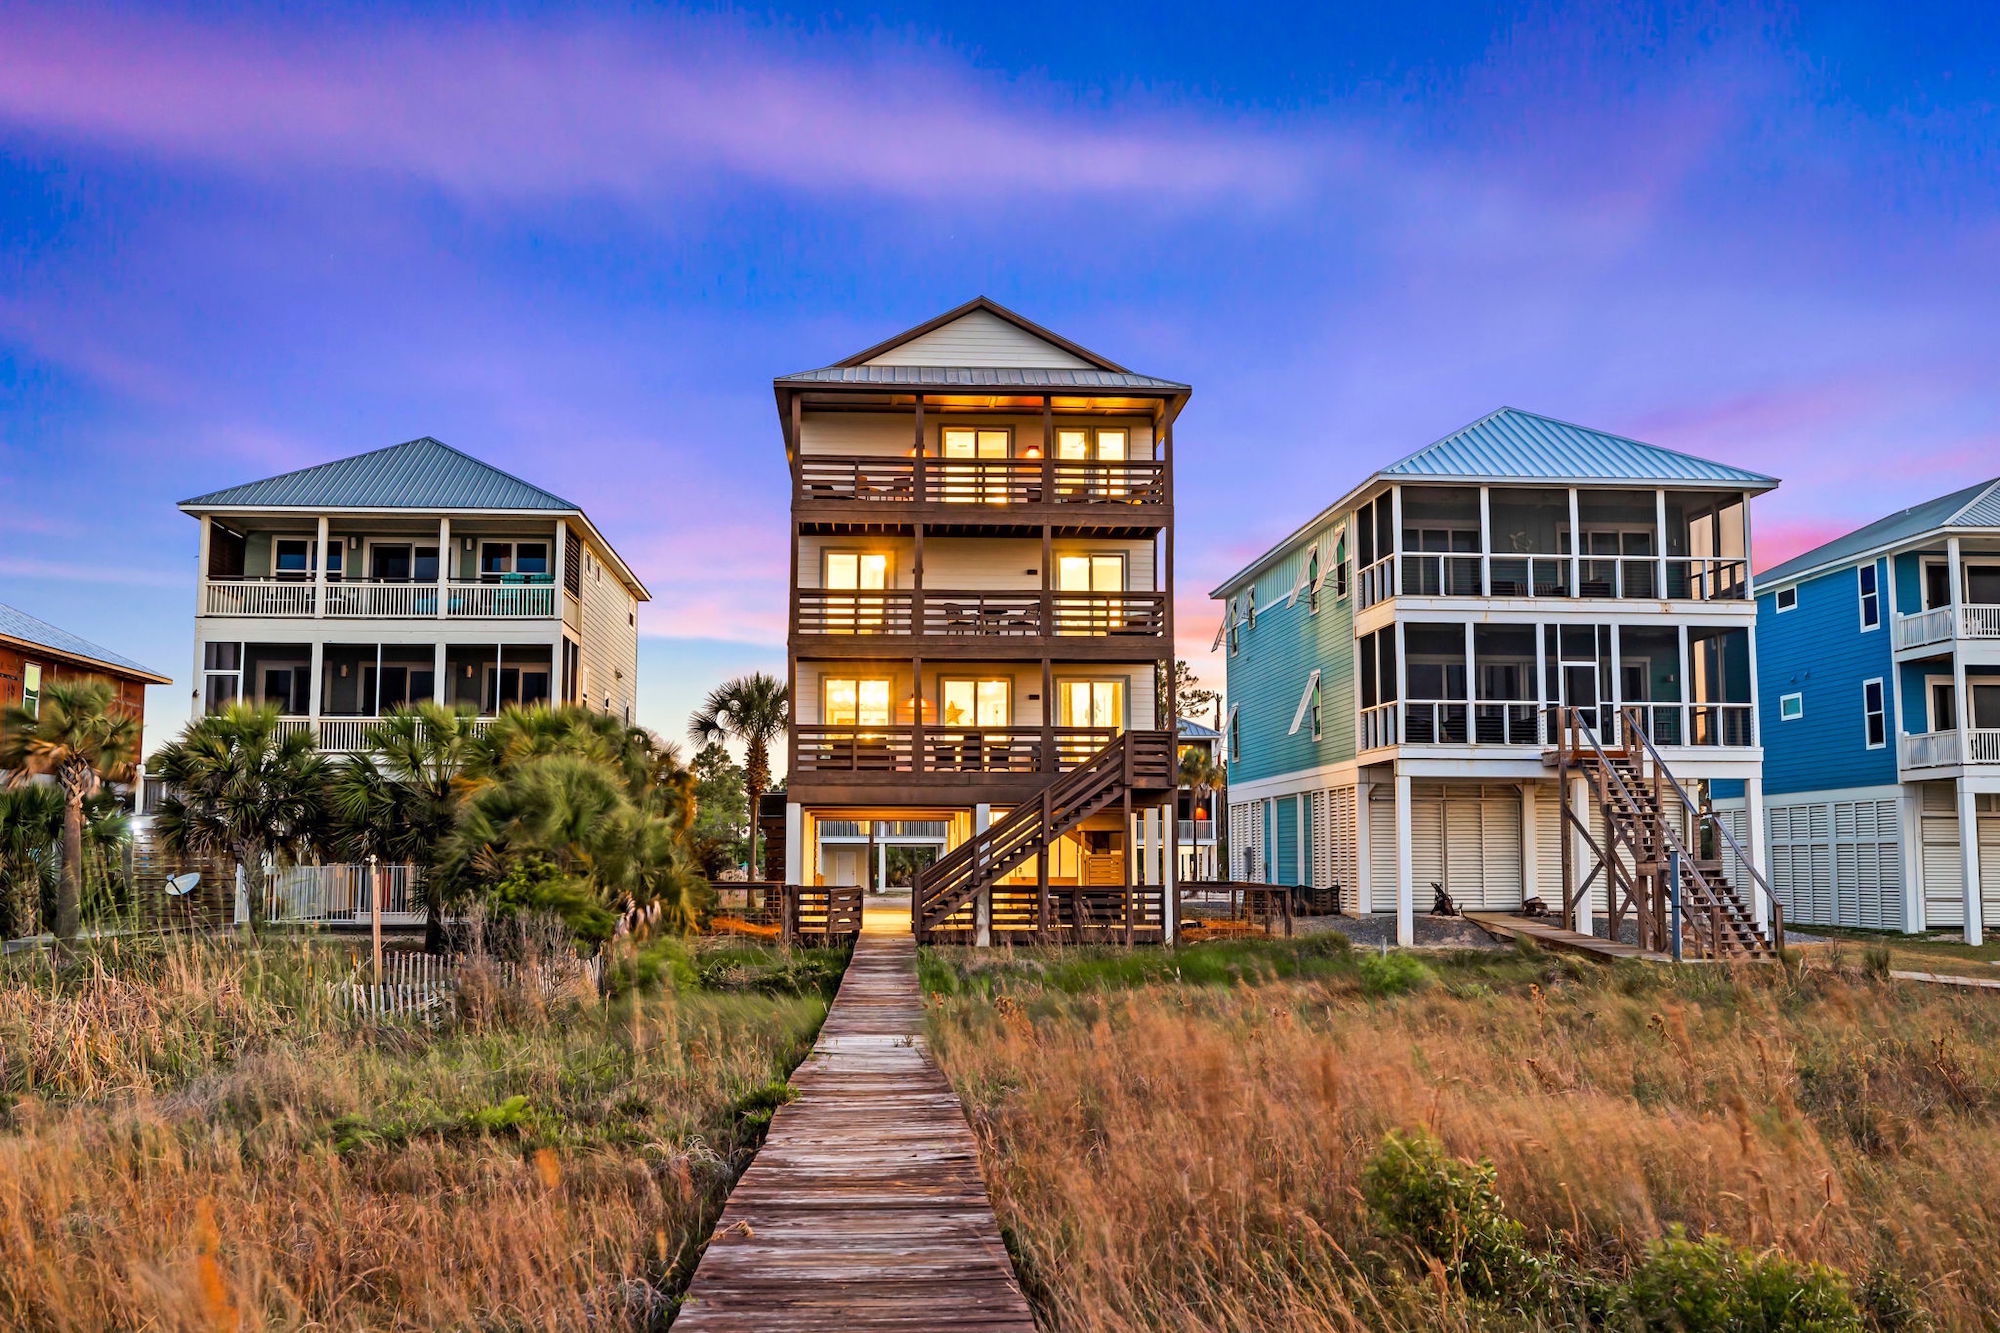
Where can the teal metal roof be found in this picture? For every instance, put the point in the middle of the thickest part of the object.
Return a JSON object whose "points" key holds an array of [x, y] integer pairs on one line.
{"points": [[1976, 506], [417, 474], [1512, 445], [19, 625]]}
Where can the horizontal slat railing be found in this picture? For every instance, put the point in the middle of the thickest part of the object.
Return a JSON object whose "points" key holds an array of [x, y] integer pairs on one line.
{"points": [[983, 481], [980, 613], [894, 749], [888, 611]]}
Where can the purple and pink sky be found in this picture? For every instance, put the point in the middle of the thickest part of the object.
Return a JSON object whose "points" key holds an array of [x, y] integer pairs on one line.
{"points": [[579, 243]]}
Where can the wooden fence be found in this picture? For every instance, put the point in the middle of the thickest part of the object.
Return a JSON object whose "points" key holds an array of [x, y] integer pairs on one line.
{"points": [[789, 912], [423, 986]]}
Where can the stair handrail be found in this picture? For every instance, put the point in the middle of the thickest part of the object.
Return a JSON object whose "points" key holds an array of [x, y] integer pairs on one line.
{"points": [[1709, 819], [1689, 863]]}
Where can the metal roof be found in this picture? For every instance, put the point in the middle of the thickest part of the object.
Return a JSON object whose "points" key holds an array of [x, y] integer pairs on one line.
{"points": [[1976, 506], [417, 474], [1191, 730], [1512, 445], [19, 625], [982, 377]]}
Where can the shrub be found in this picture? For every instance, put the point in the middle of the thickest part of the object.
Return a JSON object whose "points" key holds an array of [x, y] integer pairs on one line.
{"points": [[1695, 1286], [1449, 1209], [1394, 973]]}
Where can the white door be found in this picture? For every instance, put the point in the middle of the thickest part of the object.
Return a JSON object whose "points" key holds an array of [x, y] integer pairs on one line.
{"points": [[1943, 865]]}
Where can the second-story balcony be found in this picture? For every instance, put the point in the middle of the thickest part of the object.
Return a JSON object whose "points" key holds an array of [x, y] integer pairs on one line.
{"points": [[984, 483], [981, 617], [1945, 750], [1944, 624], [508, 597], [1494, 575], [1499, 722]]}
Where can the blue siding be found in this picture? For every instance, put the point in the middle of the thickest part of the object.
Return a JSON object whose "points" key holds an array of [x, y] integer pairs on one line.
{"points": [[1286, 868], [1267, 675], [1820, 652]]}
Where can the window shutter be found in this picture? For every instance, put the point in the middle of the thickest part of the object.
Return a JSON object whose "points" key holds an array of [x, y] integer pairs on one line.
{"points": [[1305, 702]]}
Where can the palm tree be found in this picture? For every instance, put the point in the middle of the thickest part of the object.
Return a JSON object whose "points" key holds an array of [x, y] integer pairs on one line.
{"points": [[400, 797], [75, 738], [755, 710], [239, 785], [1200, 774]]}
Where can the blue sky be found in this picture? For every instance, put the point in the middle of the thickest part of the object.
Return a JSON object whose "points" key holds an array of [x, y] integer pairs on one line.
{"points": [[579, 243]]}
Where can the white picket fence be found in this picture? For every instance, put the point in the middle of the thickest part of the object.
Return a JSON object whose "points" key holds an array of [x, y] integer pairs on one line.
{"points": [[422, 986]]}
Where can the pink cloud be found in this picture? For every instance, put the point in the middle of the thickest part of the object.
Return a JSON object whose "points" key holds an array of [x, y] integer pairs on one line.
{"points": [[501, 110]]}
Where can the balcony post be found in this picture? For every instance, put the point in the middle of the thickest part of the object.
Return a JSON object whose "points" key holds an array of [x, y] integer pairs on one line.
{"points": [[919, 761], [922, 486], [1048, 451], [1485, 541], [444, 564], [1961, 705], [916, 578], [320, 555], [1048, 607], [982, 907], [1406, 865], [1575, 547], [1895, 727], [1395, 587], [201, 584], [1660, 538]]}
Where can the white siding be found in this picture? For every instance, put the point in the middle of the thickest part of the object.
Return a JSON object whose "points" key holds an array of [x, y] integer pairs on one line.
{"points": [[980, 338], [609, 643]]}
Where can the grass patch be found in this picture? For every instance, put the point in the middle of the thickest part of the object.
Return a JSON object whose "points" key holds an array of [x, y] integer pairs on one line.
{"points": [[1576, 1145], [531, 1164]]}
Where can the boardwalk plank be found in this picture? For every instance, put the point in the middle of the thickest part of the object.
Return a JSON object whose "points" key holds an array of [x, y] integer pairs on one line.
{"points": [[865, 1208]]}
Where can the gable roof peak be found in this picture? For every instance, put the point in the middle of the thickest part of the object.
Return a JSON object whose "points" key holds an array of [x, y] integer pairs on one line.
{"points": [[988, 306]]}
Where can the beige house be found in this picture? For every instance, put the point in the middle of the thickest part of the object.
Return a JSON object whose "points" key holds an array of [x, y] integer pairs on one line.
{"points": [[411, 573]]}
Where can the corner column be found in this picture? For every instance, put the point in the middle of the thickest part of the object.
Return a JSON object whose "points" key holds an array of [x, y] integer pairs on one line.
{"points": [[982, 906], [1578, 797], [795, 843], [1406, 868], [1530, 844], [1753, 818], [1968, 850]]}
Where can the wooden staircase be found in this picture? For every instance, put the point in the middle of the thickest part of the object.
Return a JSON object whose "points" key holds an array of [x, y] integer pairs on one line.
{"points": [[1653, 828], [1134, 767]]}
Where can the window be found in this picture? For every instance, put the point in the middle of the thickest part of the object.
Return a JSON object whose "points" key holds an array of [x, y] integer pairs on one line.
{"points": [[859, 572], [1315, 707], [1250, 607], [1235, 731], [31, 687], [508, 562], [1091, 703], [292, 557], [1235, 629], [404, 562], [1340, 566], [1308, 707], [1076, 445], [1312, 582], [1787, 599], [1791, 707], [857, 702], [975, 703], [1874, 714], [1871, 596], [1090, 573], [970, 482], [505, 687]]}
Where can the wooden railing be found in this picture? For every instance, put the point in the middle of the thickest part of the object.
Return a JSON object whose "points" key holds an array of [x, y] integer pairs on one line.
{"points": [[1947, 749], [985, 481], [957, 749], [987, 614], [792, 912], [379, 599]]}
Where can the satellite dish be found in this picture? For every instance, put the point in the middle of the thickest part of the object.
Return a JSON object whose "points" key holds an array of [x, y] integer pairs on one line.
{"points": [[180, 886]]}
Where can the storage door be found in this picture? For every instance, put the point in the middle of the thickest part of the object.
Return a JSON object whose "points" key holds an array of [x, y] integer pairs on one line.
{"points": [[1944, 867], [1285, 866], [1427, 844], [1989, 860]]}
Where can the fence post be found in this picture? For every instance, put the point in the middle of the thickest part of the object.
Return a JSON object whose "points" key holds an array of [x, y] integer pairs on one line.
{"points": [[1674, 901], [375, 915]]}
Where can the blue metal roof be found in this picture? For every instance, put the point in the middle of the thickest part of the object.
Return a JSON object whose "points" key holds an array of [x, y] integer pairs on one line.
{"points": [[19, 625], [417, 474], [1512, 445], [1976, 506]]}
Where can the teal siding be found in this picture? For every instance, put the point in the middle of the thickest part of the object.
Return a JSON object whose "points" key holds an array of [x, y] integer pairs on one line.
{"points": [[1285, 870], [1267, 675]]}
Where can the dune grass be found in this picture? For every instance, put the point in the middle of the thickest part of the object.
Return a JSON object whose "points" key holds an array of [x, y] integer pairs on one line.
{"points": [[192, 1136], [1173, 1156]]}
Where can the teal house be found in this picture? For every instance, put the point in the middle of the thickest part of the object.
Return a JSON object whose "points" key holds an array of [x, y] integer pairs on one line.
{"points": [[1392, 664]]}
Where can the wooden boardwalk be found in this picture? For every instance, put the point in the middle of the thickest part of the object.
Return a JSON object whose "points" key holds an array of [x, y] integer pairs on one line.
{"points": [[1553, 936], [865, 1208]]}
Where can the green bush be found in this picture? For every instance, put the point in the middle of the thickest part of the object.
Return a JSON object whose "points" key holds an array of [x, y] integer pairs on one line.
{"points": [[1393, 973], [1449, 1210], [1714, 1286]]}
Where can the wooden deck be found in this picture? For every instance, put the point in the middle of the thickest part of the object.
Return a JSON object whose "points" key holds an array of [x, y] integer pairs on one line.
{"points": [[1550, 935], [865, 1208]]}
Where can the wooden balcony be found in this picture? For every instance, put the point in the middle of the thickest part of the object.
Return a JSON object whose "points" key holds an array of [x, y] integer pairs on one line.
{"points": [[969, 487], [903, 761], [950, 622]]}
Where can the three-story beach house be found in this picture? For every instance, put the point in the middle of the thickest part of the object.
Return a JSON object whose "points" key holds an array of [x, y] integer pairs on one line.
{"points": [[1880, 689], [410, 573], [981, 614], [1399, 669]]}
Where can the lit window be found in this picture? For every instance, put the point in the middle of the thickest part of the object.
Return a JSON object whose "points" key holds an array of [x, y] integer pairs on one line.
{"points": [[1874, 714], [852, 702], [1791, 707], [1871, 596], [31, 688]]}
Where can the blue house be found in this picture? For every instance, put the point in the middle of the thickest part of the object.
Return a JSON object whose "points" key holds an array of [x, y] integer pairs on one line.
{"points": [[1880, 688], [1393, 664]]}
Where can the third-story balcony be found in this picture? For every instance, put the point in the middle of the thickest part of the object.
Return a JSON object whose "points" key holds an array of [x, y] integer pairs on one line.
{"points": [[982, 618], [512, 598], [891, 481]]}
